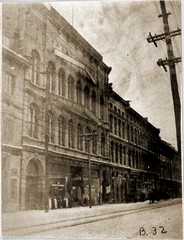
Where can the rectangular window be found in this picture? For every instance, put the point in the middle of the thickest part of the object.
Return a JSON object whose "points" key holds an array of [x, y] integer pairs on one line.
{"points": [[9, 83]]}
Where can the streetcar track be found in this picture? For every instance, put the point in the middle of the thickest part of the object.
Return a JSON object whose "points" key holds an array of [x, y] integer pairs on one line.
{"points": [[80, 221]]}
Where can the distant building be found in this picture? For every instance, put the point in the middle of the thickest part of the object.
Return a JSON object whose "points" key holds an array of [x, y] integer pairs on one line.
{"points": [[39, 47]]}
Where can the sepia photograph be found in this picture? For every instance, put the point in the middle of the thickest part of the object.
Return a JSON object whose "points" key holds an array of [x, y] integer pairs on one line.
{"points": [[91, 102]]}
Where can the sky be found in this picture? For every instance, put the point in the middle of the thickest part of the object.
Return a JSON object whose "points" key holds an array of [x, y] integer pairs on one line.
{"points": [[118, 30]]}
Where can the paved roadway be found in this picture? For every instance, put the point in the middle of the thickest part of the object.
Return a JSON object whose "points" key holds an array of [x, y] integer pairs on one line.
{"points": [[157, 223]]}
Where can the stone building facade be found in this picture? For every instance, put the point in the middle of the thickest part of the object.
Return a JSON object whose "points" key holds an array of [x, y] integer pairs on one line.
{"points": [[42, 51]]}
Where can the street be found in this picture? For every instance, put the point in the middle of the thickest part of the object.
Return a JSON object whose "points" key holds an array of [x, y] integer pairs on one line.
{"points": [[158, 223]]}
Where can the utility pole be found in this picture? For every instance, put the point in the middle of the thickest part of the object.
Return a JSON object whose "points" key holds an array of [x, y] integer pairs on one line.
{"points": [[47, 142], [170, 61], [88, 138]]}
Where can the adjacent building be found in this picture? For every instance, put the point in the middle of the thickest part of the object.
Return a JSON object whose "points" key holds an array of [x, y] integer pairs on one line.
{"points": [[56, 94]]}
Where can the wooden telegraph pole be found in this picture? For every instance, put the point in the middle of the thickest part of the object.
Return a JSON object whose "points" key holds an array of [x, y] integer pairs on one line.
{"points": [[88, 137], [47, 142], [170, 61]]}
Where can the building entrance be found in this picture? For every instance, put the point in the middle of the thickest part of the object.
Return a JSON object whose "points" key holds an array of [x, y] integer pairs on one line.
{"points": [[31, 199]]}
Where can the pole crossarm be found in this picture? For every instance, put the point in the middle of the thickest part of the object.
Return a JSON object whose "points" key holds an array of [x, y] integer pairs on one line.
{"points": [[162, 36], [162, 63]]}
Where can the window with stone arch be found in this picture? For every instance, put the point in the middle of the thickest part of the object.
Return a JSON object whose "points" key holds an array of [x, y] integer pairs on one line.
{"points": [[71, 133], [102, 108], [61, 131], [86, 97], [121, 154], [79, 92], [70, 88], [79, 137], [34, 114], [94, 143], [103, 144], [51, 126], [112, 151], [52, 76], [93, 96], [87, 130], [116, 152], [61, 82], [35, 67]]}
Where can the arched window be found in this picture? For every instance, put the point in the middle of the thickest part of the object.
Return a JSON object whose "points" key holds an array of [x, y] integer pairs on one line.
{"points": [[70, 134], [129, 157], [52, 75], [115, 126], [102, 110], [123, 130], [111, 122], [103, 144], [79, 137], [79, 92], [94, 143], [93, 102], [116, 153], [61, 131], [86, 97], [35, 67], [133, 158], [70, 88], [87, 130], [124, 154], [135, 136], [128, 132], [132, 134], [119, 127], [112, 151], [61, 82], [51, 127], [121, 154], [33, 121]]}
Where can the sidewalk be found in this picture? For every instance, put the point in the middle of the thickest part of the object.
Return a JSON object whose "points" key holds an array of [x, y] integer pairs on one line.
{"points": [[27, 222]]}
